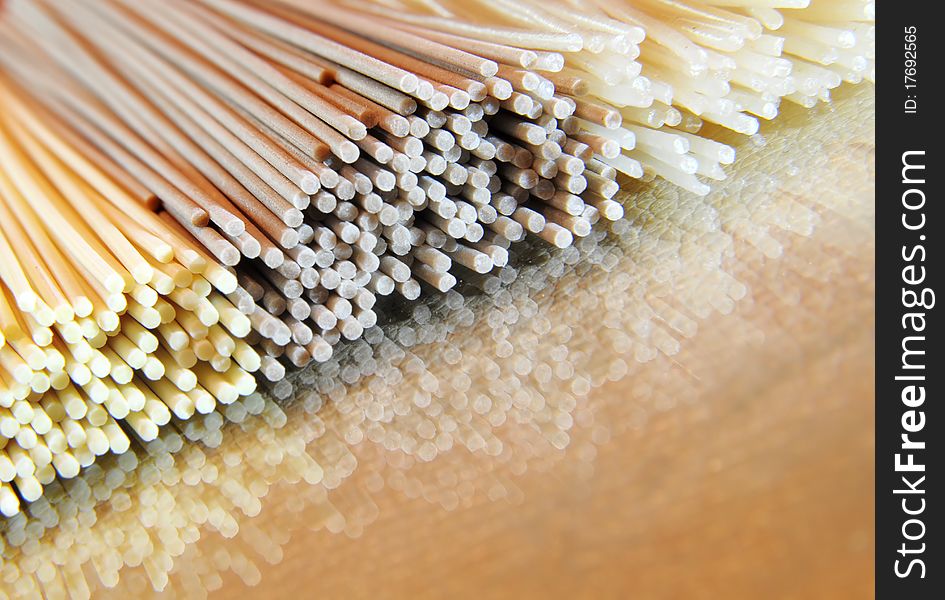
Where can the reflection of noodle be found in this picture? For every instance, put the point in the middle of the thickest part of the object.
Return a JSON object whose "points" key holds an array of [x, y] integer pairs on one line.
{"points": [[545, 333]]}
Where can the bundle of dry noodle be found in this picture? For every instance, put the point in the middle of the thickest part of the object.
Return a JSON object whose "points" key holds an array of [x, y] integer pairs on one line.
{"points": [[191, 192]]}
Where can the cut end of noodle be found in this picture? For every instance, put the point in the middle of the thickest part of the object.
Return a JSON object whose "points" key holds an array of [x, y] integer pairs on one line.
{"points": [[143, 274], [309, 183], [408, 83], [348, 152]]}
